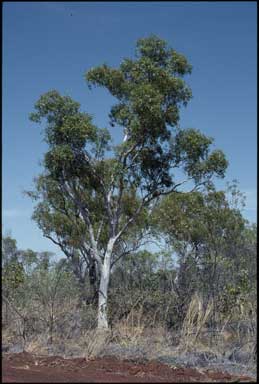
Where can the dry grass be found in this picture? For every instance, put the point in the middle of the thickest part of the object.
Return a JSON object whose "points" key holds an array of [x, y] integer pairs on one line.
{"points": [[129, 331], [37, 346], [138, 335], [194, 324], [95, 341]]}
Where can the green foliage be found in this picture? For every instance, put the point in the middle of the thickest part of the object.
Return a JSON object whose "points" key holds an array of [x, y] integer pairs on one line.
{"points": [[191, 149], [192, 216], [12, 276], [68, 132], [9, 250], [51, 281], [150, 91], [12, 268], [136, 269]]}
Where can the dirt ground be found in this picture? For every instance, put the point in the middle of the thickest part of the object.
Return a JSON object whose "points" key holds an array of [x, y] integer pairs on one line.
{"points": [[28, 368]]}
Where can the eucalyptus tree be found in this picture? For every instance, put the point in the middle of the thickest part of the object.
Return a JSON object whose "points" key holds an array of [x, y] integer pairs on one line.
{"points": [[208, 233], [106, 189], [64, 227]]}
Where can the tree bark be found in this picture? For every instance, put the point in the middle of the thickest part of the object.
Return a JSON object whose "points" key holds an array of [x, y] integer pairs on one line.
{"points": [[104, 285], [93, 280]]}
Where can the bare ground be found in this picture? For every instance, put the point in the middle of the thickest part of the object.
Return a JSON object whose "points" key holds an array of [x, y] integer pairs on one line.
{"points": [[28, 368]]}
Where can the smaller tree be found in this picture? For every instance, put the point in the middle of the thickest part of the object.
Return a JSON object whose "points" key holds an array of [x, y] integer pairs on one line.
{"points": [[207, 233], [12, 267], [52, 287]]}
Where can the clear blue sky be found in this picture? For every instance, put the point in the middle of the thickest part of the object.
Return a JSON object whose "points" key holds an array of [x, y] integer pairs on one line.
{"points": [[44, 48]]}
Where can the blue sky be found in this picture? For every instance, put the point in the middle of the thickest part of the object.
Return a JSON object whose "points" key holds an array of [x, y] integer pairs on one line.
{"points": [[45, 48]]}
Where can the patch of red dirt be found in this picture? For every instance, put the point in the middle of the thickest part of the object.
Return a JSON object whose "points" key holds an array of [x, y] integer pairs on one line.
{"points": [[28, 368]]}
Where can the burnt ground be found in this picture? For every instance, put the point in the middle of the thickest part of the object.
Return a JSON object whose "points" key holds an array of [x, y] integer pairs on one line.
{"points": [[28, 368]]}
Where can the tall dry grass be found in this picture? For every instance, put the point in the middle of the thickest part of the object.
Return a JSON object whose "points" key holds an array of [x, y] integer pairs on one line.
{"points": [[194, 323]]}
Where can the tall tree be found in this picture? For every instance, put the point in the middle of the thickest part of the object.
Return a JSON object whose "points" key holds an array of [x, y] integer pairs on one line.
{"points": [[107, 194]]}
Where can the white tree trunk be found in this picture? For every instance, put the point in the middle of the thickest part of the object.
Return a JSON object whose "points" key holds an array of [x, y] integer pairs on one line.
{"points": [[102, 300], [125, 135], [103, 290]]}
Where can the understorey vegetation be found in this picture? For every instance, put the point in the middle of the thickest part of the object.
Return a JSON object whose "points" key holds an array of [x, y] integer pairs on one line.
{"points": [[194, 297], [155, 258]]}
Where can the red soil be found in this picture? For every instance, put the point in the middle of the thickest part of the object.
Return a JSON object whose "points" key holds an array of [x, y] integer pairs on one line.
{"points": [[28, 368]]}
